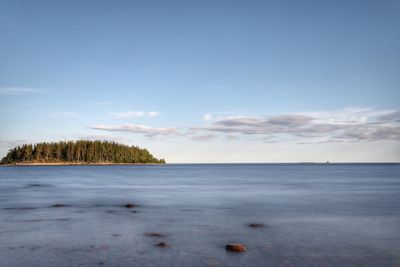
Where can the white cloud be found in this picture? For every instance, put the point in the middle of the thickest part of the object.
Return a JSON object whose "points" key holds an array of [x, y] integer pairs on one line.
{"points": [[351, 115], [140, 129], [134, 114], [341, 126], [19, 91], [152, 114], [347, 125], [204, 137], [207, 117]]}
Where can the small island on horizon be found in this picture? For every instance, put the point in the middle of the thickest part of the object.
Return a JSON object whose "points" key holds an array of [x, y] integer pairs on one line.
{"points": [[78, 152]]}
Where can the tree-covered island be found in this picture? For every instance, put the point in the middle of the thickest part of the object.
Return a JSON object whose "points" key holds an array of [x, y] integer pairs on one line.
{"points": [[79, 152]]}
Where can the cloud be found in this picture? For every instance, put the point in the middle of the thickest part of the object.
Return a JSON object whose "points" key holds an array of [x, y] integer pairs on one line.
{"points": [[347, 125], [139, 129], [290, 120], [351, 115], [207, 117], [19, 91], [393, 116], [204, 137], [134, 114], [152, 114]]}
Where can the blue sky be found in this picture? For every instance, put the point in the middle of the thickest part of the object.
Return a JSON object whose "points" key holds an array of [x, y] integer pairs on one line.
{"points": [[205, 81]]}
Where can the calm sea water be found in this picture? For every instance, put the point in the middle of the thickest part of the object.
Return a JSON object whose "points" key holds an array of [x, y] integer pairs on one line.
{"points": [[315, 215]]}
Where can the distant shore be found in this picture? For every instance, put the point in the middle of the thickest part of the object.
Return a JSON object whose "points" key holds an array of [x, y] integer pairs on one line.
{"points": [[74, 163]]}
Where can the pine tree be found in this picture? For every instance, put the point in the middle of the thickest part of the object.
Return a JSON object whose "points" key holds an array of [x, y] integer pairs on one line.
{"points": [[80, 151]]}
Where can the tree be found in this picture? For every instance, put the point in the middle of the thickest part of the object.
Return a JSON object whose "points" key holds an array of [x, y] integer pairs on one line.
{"points": [[80, 151]]}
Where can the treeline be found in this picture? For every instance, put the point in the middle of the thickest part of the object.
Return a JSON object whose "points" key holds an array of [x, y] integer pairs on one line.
{"points": [[79, 151]]}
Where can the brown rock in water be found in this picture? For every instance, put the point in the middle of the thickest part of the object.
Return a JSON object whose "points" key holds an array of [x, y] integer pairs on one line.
{"points": [[130, 206], [58, 206], [154, 235], [161, 244], [236, 247], [256, 225]]}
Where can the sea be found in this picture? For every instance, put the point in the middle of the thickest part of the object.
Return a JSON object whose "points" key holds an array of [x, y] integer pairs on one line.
{"points": [[186, 214]]}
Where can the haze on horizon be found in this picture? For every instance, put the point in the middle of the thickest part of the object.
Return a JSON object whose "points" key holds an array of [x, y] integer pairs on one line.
{"points": [[205, 81]]}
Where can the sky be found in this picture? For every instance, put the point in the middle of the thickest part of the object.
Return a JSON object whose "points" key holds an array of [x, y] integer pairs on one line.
{"points": [[205, 81]]}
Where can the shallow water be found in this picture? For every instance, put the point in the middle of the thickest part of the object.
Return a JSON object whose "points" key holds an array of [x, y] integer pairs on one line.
{"points": [[314, 215]]}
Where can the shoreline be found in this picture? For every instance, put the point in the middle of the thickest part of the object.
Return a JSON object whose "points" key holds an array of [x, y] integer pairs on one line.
{"points": [[74, 164]]}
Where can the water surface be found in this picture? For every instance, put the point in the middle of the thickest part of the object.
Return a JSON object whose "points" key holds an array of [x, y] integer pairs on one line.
{"points": [[315, 215]]}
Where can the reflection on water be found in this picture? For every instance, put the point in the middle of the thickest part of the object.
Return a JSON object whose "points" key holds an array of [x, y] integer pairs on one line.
{"points": [[312, 215]]}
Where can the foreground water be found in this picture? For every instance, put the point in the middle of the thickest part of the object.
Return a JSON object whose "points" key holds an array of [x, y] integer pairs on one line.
{"points": [[314, 215]]}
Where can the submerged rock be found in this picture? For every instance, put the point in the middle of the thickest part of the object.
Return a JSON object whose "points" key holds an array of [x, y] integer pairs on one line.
{"points": [[21, 208], [257, 225], [161, 244], [154, 235], [63, 219], [34, 185], [110, 211], [236, 247], [130, 206]]}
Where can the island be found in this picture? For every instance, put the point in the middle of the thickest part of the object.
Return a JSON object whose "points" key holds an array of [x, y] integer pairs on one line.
{"points": [[78, 153]]}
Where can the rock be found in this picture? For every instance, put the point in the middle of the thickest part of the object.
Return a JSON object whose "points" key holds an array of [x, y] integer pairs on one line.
{"points": [[34, 185], [154, 235], [20, 208], [130, 205], [62, 219], [236, 247], [257, 225], [59, 206], [110, 211], [161, 244]]}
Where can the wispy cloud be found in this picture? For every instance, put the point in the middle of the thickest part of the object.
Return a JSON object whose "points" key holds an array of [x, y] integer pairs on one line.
{"points": [[203, 137], [347, 125], [139, 129], [152, 114], [207, 117], [19, 91], [135, 114]]}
